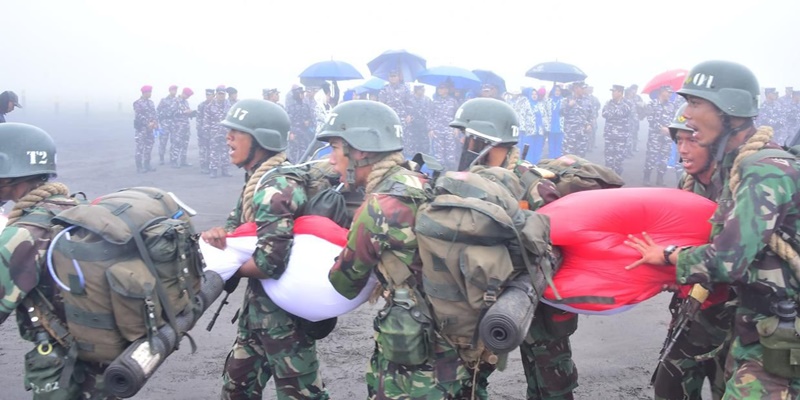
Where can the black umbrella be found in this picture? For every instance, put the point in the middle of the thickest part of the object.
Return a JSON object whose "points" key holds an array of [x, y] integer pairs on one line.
{"points": [[556, 71]]}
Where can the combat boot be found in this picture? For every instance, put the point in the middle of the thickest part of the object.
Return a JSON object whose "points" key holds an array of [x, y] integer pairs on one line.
{"points": [[184, 163], [214, 173], [139, 168], [174, 164], [646, 180], [147, 167]]}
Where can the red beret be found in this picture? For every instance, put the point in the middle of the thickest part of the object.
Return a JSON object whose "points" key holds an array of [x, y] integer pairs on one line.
{"points": [[147, 88], [187, 91]]}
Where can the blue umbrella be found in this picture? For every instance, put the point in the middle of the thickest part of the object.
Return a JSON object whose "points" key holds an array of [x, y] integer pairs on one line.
{"points": [[459, 77], [331, 71], [407, 63], [373, 84], [556, 72], [490, 78]]}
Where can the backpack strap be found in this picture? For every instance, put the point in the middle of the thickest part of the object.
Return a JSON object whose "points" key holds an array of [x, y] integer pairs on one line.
{"points": [[767, 153]]}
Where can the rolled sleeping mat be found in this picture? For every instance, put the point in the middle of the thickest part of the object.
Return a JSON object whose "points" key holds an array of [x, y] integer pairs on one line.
{"points": [[128, 373], [506, 323]]}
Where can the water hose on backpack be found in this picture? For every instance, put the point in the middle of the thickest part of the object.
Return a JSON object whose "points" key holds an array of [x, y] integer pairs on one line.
{"points": [[51, 269]]}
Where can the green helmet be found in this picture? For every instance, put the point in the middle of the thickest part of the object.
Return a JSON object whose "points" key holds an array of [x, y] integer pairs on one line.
{"points": [[678, 123], [266, 121], [491, 119], [365, 125], [26, 151], [731, 87]]}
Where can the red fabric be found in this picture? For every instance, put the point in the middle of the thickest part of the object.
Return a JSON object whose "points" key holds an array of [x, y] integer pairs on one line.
{"points": [[316, 225], [673, 78], [590, 228]]}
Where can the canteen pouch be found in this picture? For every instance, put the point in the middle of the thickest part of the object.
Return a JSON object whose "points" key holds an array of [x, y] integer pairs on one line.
{"points": [[559, 323], [43, 371], [781, 346], [404, 334]]}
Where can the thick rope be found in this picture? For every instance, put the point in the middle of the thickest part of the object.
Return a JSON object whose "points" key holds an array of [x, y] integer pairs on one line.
{"points": [[248, 208], [512, 158], [688, 183], [41, 192], [762, 136], [381, 168]]}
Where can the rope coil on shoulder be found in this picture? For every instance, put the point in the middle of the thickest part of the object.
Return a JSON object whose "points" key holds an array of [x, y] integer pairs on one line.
{"points": [[381, 168], [36, 195], [248, 211], [783, 249]]}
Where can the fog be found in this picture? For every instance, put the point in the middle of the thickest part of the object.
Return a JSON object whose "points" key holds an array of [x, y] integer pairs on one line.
{"points": [[101, 52]]}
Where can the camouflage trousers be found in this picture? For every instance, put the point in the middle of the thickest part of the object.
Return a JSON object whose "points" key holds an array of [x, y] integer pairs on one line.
{"points": [[284, 352], [85, 383], [298, 145], [167, 130], [576, 141], [749, 380], [144, 146], [658, 149], [445, 377], [446, 148], [218, 159], [633, 137], [547, 355], [615, 148], [416, 140], [179, 144], [681, 376], [204, 149]]}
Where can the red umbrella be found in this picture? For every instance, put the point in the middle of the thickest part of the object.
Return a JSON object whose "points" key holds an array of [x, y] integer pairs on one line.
{"points": [[674, 78]]}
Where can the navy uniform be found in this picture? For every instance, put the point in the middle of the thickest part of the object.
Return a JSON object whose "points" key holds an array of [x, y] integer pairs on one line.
{"points": [[660, 113], [203, 140], [577, 112], [616, 113]]}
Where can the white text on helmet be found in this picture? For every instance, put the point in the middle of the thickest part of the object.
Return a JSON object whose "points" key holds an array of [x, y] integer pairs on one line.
{"points": [[239, 113], [37, 157], [701, 79]]}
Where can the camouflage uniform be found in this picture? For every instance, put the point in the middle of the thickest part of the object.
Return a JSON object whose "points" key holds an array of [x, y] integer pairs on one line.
{"points": [[167, 108], [546, 352], [144, 113], [382, 239], [577, 125], [179, 141], [304, 121], [445, 141], [659, 116], [596, 107], [22, 269], [218, 151], [269, 342], [398, 98], [203, 142], [792, 119], [772, 114], [681, 375], [416, 139], [615, 132], [738, 254], [637, 111]]}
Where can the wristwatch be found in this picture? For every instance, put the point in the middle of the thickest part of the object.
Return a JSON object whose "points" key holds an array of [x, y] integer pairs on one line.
{"points": [[668, 252]]}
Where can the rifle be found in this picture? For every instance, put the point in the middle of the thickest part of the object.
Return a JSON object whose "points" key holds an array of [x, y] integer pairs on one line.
{"points": [[686, 312], [230, 287]]}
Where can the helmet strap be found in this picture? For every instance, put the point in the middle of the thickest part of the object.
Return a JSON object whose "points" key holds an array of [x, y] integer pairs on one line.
{"points": [[727, 133], [352, 163]]}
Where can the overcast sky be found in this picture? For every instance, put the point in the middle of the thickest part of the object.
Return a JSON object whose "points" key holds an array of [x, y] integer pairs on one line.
{"points": [[105, 50]]}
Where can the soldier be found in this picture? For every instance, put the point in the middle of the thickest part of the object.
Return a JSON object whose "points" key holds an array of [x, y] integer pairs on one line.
{"points": [[555, 135], [233, 95], [167, 109], [660, 113], [269, 342], [203, 140], [51, 369], [416, 138], [596, 105], [638, 107], [8, 101], [303, 122], [273, 95], [681, 375], [577, 113], [546, 351], [366, 141], [793, 115], [786, 99], [444, 139], [758, 208], [527, 122], [144, 121], [179, 142], [771, 112], [397, 96], [617, 113], [214, 114]]}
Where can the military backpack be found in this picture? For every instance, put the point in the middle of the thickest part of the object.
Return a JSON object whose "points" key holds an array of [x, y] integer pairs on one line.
{"points": [[571, 174]]}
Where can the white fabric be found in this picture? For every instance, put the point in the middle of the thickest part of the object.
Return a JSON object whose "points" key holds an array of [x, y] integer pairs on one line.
{"points": [[3, 221], [303, 289]]}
